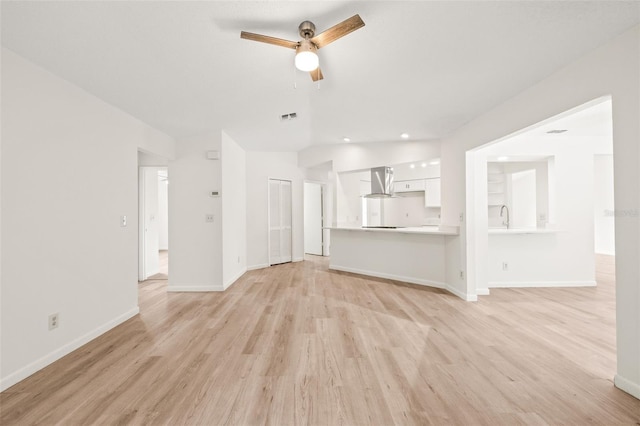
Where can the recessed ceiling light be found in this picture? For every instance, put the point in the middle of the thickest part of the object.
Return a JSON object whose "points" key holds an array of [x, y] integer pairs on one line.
{"points": [[404, 135], [434, 162], [413, 166], [423, 165], [346, 139], [503, 158]]}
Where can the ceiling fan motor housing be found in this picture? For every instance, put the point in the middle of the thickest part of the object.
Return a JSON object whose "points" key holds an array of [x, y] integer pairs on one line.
{"points": [[307, 29]]}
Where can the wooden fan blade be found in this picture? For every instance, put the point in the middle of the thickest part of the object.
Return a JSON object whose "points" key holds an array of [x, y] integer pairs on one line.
{"points": [[268, 39], [316, 74], [339, 30]]}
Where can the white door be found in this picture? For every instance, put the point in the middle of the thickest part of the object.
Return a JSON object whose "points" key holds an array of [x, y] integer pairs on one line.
{"points": [[313, 218], [279, 221], [149, 261]]}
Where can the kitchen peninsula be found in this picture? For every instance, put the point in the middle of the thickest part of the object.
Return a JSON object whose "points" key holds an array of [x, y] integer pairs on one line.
{"points": [[414, 254]]}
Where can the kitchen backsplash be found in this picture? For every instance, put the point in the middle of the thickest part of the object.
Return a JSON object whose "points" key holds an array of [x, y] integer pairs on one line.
{"points": [[405, 209]]}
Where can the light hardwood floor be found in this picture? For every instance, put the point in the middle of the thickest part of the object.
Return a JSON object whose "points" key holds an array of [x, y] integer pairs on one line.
{"points": [[298, 344], [163, 266]]}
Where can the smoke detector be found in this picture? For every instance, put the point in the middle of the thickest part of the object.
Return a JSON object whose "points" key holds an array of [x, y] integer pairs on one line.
{"points": [[287, 117]]}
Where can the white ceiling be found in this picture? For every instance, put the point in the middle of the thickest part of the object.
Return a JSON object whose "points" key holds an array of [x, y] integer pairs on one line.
{"points": [[590, 125], [419, 67]]}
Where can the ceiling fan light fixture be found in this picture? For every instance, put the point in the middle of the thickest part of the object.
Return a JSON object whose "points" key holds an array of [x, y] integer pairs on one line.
{"points": [[306, 57]]}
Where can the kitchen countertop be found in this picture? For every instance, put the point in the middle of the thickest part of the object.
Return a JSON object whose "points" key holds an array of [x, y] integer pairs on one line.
{"points": [[520, 231], [426, 230]]}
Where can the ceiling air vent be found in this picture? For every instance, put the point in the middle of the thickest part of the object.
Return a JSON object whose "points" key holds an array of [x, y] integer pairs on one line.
{"points": [[286, 117], [556, 131]]}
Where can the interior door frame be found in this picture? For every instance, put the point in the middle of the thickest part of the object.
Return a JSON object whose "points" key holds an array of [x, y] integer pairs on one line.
{"points": [[269, 179], [141, 217]]}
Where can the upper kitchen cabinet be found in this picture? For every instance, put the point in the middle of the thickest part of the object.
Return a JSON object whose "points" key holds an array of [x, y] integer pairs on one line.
{"points": [[432, 192], [408, 185]]}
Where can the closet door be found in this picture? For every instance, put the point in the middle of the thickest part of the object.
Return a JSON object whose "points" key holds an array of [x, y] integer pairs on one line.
{"points": [[279, 221]]}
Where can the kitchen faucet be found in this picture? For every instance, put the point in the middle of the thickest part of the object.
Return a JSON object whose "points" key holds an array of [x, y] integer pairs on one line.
{"points": [[501, 211]]}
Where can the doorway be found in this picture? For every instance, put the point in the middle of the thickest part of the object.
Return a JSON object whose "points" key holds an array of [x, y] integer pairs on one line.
{"points": [[540, 202], [280, 219], [314, 218], [154, 224]]}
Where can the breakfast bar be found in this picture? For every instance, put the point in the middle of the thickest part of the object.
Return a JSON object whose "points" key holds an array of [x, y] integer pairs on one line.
{"points": [[413, 254]]}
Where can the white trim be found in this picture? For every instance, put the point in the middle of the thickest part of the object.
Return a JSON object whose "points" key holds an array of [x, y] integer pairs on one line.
{"points": [[534, 284], [258, 266], [193, 288], [627, 386], [231, 281], [428, 283], [142, 273], [464, 296], [606, 253], [297, 259], [482, 291], [39, 364], [412, 280]]}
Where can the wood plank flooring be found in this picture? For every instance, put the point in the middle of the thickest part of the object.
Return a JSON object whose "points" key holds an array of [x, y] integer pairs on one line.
{"points": [[298, 344]]}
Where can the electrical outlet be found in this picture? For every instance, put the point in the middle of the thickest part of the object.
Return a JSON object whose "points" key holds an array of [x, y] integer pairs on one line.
{"points": [[54, 321], [542, 217], [461, 217], [123, 221], [462, 275], [505, 266], [209, 218]]}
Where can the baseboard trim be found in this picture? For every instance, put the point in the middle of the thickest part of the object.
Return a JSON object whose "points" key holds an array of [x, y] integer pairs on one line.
{"points": [[297, 259], [230, 282], [464, 296], [482, 291], [193, 288], [627, 386], [412, 280], [39, 364], [259, 266], [533, 284]]}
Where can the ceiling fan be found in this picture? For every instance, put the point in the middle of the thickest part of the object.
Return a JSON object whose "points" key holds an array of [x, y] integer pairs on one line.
{"points": [[306, 56]]}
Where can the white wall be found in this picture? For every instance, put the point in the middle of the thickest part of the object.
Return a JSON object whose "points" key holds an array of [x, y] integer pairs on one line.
{"points": [[196, 245], [234, 211], [360, 156], [69, 171], [348, 198], [260, 167], [610, 70], [603, 206], [148, 159]]}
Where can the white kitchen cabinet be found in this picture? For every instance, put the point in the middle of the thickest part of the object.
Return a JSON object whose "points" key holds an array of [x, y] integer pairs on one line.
{"points": [[409, 185], [432, 192]]}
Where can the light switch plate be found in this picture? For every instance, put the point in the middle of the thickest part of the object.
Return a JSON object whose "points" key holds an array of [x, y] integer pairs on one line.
{"points": [[123, 221]]}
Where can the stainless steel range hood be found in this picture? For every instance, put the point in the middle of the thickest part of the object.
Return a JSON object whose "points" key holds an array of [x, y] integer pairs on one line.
{"points": [[381, 182]]}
